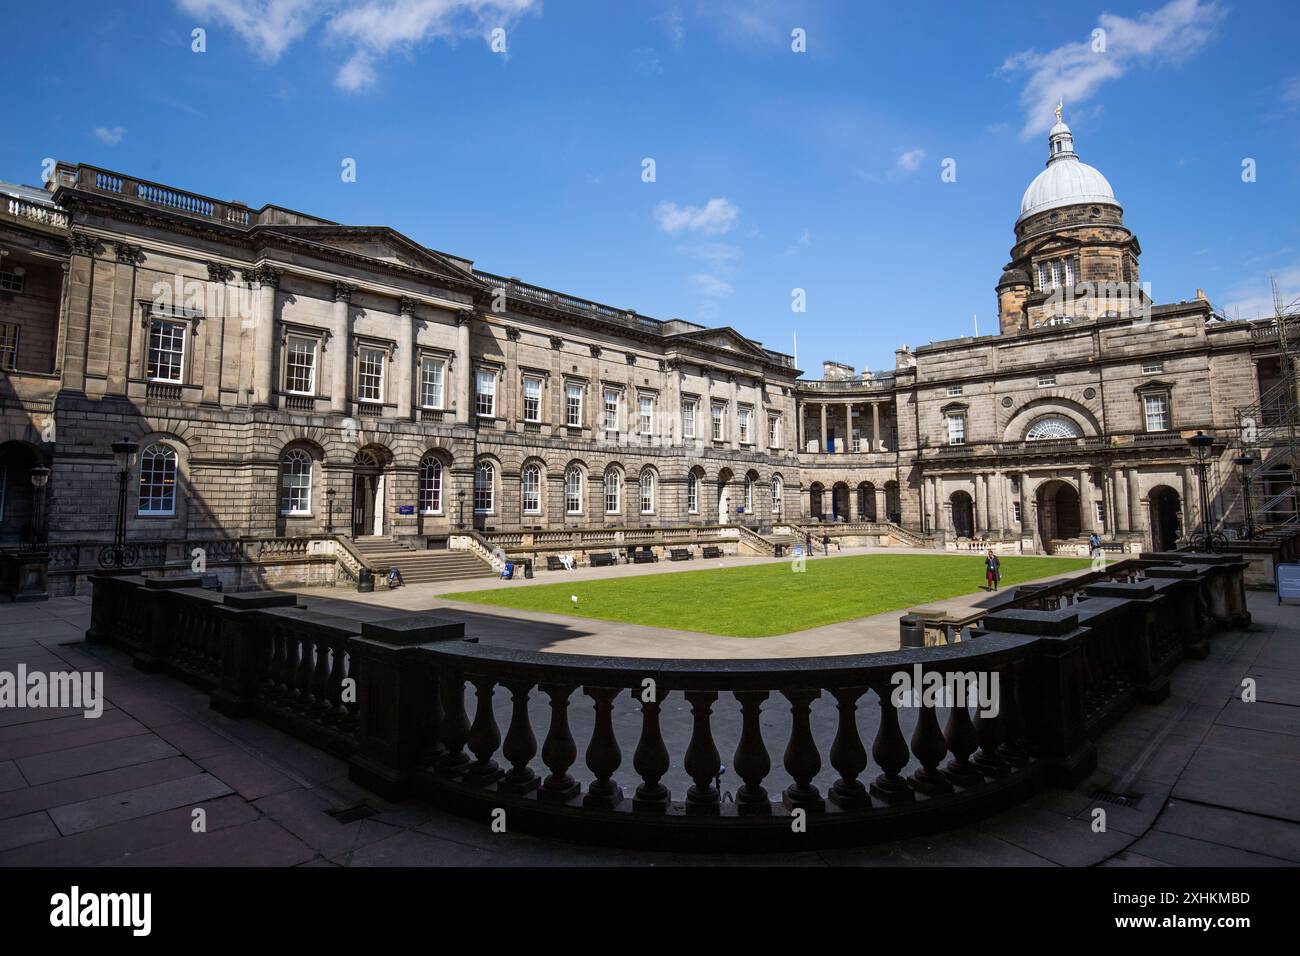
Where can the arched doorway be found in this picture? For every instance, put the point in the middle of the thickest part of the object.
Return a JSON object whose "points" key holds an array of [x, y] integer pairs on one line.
{"points": [[17, 493], [840, 501], [963, 514], [724, 496], [893, 502], [1058, 511], [867, 501], [367, 493], [1166, 518], [816, 507]]}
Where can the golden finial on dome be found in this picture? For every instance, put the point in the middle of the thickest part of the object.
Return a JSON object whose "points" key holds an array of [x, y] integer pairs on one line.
{"points": [[1059, 103]]}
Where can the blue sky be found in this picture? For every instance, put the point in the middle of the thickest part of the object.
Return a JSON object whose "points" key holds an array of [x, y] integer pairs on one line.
{"points": [[775, 170]]}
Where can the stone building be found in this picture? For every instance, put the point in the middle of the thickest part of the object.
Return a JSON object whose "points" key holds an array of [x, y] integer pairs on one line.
{"points": [[285, 375]]}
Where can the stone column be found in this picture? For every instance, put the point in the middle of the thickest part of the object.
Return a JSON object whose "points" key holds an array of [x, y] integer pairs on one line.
{"points": [[1135, 517], [511, 389], [733, 413], [404, 365], [219, 275], [848, 426], [877, 443], [1087, 503], [821, 445], [881, 510], [340, 348], [1191, 504], [982, 522], [268, 279], [1027, 528], [1119, 499], [798, 425], [465, 370]]}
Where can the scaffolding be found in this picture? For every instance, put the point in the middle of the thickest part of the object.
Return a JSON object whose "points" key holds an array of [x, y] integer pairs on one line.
{"points": [[1270, 432]]}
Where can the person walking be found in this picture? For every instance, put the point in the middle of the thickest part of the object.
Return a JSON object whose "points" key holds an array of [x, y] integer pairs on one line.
{"points": [[807, 543], [992, 570], [1094, 544], [826, 544]]}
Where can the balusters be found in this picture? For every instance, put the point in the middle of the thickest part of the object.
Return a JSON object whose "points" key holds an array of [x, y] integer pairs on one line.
{"points": [[484, 735], [454, 730], [603, 753], [558, 750], [802, 761], [303, 699], [271, 685], [929, 748], [320, 679], [751, 760], [1011, 749], [651, 759], [959, 733], [889, 750], [848, 755], [702, 762], [334, 683], [989, 733], [521, 744], [292, 660]]}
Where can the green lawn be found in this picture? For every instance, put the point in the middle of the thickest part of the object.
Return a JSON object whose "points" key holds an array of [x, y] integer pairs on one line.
{"points": [[765, 599]]}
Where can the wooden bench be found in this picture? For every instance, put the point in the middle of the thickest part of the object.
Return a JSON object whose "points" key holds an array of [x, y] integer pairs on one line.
{"points": [[645, 556], [603, 559], [680, 554], [712, 552], [553, 563]]}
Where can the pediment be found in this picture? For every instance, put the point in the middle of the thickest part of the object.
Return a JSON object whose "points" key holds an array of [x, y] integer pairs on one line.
{"points": [[375, 242], [725, 338], [1054, 244]]}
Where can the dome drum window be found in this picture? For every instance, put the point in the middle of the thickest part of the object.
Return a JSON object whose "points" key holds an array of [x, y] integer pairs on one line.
{"points": [[1053, 428]]}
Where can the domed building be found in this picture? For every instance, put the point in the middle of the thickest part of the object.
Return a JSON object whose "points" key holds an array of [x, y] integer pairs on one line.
{"points": [[1074, 258]]}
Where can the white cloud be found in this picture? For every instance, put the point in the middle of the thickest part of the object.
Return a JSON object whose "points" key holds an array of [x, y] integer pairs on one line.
{"points": [[109, 137], [269, 27], [710, 286], [1074, 71], [1291, 90], [1253, 298], [910, 161], [372, 28], [714, 218]]}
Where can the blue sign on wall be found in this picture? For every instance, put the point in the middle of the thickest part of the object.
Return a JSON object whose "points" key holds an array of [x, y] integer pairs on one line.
{"points": [[1288, 581], [406, 509]]}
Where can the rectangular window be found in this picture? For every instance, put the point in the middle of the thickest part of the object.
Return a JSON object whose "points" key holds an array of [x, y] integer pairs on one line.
{"points": [[645, 423], [611, 410], [774, 431], [718, 409], [433, 375], [166, 351], [1046, 380], [956, 429], [1101, 512], [9, 345], [11, 281], [486, 402], [370, 374], [300, 365], [1157, 412], [954, 390], [532, 399], [1015, 511], [573, 405], [1153, 368], [743, 421], [688, 419]]}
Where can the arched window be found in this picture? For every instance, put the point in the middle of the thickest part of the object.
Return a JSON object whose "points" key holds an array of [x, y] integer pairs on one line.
{"points": [[613, 487], [749, 495], [157, 481], [778, 492], [693, 493], [430, 485], [531, 489], [484, 483], [1055, 426], [295, 482], [573, 491], [647, 492]]}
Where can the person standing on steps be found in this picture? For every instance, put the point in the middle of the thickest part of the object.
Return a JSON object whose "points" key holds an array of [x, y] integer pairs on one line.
{"points": [[992, 570]]}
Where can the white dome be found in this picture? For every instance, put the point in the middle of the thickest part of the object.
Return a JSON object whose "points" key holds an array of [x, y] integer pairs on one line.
{"points": [[1067, 181]]}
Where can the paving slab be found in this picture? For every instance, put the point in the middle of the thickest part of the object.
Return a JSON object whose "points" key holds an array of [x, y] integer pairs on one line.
{"points": [[1185, 851], [94, 757], [77, 789], [1231, 828], [29, 828], [257, 843], [100, 811]]}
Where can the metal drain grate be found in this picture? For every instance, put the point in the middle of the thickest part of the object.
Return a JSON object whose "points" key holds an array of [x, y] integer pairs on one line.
{"points": [[1118, 799], [352, 814]]}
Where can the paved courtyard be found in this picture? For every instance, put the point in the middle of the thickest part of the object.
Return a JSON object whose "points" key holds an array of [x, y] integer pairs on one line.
{"points": [[1219, 779]]}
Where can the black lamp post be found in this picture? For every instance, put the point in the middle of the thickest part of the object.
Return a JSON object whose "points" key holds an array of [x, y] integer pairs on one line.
{"points": [[1244, 461], [1200, 444], [329, 510], [40, 477], [119, 554]]}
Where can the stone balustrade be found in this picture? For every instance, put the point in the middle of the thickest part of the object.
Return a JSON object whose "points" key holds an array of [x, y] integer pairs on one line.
{"points": [[630, 751]]}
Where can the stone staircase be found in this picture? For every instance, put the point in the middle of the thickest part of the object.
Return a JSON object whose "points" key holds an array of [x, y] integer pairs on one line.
{"points": [[419, 567]]}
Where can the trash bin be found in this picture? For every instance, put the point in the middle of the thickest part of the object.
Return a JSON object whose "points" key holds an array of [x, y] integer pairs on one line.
{"points": [[528, 568], [780, 551], [911, 631], [365, 581]]}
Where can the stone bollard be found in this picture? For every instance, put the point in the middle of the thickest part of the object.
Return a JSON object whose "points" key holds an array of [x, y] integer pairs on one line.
{"points": [[911, 631]]}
